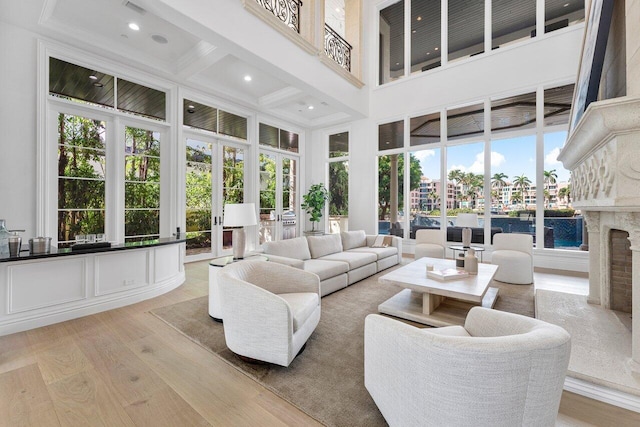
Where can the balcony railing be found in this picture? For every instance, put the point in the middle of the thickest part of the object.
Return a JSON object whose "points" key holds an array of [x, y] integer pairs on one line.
{"points": [[337, 48], [288, 11]]}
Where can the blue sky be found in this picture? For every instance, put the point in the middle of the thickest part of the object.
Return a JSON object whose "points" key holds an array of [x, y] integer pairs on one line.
{"points": [[513, 157]]}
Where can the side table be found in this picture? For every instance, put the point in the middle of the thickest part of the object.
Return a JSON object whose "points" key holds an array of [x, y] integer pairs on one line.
{"points": [[457, 248], [215, 265]]}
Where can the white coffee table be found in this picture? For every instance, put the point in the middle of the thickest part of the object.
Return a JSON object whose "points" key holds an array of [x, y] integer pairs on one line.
{"points": [[435, 302]]}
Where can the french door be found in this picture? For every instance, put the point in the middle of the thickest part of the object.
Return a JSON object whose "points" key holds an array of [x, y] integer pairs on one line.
{"points": [[279, 198], [215, 175]]}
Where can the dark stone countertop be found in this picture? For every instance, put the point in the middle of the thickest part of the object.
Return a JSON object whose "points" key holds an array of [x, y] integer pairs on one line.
{"points": [[25, 255]]}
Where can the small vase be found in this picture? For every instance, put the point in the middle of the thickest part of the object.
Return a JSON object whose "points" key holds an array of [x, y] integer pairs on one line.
{"points": [[471, 262]]}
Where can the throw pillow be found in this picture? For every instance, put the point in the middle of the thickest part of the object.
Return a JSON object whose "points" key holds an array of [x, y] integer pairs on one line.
{"points": [[382, 242]]}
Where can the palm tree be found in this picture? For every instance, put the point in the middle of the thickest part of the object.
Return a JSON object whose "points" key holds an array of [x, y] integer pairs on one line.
{"points": [[433, 195], [516, 197], [497, 180], [565, 193], [550, 177], [523, 183], [456, 176]]}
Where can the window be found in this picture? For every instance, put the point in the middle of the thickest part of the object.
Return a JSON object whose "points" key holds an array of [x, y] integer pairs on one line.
{"points": [[563, 225], [465, 170], [557, 105], [212, 119], [76, 83], [514, 113], [391, 43], [142, 184], [339, 182], [561, 13], [426, 27], [465, 122], [425, 129], [466, 28], [391, 135], [512, 21], [427, 198], [271, 136], [81, 177]]}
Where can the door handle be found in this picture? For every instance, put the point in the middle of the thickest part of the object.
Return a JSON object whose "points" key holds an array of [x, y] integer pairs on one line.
{"points": [[215, 220], [220, 220], [278, 217]]}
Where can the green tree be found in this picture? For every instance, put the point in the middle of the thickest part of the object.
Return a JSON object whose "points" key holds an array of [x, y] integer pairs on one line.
{"points": [[516, 197], [565, 193], [456, 175], [523, 183], [339, 188], [550, 177], [384, 182]]}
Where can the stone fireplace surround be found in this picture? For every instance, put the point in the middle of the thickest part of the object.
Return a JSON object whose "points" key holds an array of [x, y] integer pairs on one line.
{"points": [[603, 154]]}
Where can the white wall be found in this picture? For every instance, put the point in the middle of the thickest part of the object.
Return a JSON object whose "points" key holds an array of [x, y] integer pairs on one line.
{"points": [[18, 50]]}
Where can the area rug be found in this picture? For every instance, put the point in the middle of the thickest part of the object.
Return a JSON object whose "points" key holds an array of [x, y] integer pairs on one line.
{"points": [[326, 381]]}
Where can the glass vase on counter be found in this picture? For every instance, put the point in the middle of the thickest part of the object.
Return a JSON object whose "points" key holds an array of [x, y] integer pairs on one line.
{"points": [[4, 238]]}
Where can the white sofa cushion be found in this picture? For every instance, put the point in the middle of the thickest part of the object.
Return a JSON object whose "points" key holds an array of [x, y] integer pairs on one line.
{"points": [[381, 253], [291, 248], [353, 239], [354, 259], [302, 306], [326, 269], [324, 245]]}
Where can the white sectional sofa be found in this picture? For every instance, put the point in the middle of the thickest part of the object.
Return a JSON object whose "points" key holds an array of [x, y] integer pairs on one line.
{"points": [[338, 259]]}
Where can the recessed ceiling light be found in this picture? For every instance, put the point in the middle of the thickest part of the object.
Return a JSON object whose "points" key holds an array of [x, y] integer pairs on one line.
{"points": [[134, 26], [247, 78], [337, 9], [98, 84], [310, 107], [419, 18], [191, 106], [159, 39], [565, 5], [436, 48], [397, 63], [92, 77], [428, 53], [413, 31]]}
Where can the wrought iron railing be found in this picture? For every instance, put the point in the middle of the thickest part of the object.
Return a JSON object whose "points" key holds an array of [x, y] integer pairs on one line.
{"points": [[288, 11], [337, 48]]}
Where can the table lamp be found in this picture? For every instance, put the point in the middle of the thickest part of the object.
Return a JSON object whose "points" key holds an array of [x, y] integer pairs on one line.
{"points": [[468, 221], [239, 215]]}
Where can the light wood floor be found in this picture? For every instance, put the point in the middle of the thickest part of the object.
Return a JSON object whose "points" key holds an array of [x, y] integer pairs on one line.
{"points": [[126, 367]]}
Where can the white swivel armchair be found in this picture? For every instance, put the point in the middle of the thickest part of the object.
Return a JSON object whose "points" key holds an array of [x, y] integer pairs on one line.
{"points": [[429, 243], [500, 369], [513, 254], [269, 309]]}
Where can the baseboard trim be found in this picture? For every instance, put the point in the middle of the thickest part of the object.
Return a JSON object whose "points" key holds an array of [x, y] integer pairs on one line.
{"points": [[603, 394]]}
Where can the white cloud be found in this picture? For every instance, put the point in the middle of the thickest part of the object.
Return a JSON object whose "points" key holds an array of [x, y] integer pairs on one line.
{"points": [[423, 154], [459, 167], [477, 167], [551, 159]]}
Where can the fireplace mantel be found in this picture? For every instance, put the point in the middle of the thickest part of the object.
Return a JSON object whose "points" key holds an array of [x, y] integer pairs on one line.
{"points": [[604, 157]]}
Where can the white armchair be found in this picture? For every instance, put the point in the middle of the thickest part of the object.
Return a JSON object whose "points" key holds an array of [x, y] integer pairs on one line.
{"points": [[429, 243], [269, 309], [513, 254], [500, 369]]}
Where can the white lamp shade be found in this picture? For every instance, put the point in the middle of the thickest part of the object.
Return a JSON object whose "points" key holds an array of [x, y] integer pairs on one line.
{"points": [[239, 214], [467, 220]]}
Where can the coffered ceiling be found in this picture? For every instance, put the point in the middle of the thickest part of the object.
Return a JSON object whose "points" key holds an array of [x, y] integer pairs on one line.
{"points": [[171, 51]]}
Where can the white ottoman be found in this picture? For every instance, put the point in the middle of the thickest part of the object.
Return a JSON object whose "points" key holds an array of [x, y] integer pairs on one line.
{"points": [[513, 267], [430, 250]]}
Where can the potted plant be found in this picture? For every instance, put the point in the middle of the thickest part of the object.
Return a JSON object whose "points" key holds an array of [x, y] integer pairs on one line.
{"points": [[314, 202]]}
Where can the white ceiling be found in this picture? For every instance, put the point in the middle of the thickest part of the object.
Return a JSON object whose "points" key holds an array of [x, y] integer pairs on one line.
{"points": [[101, 27]]}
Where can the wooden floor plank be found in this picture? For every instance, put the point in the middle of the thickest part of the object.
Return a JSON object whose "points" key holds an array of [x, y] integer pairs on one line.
{"points": [[15, 352], [61, 361], [24, 399], [84, 400]]}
